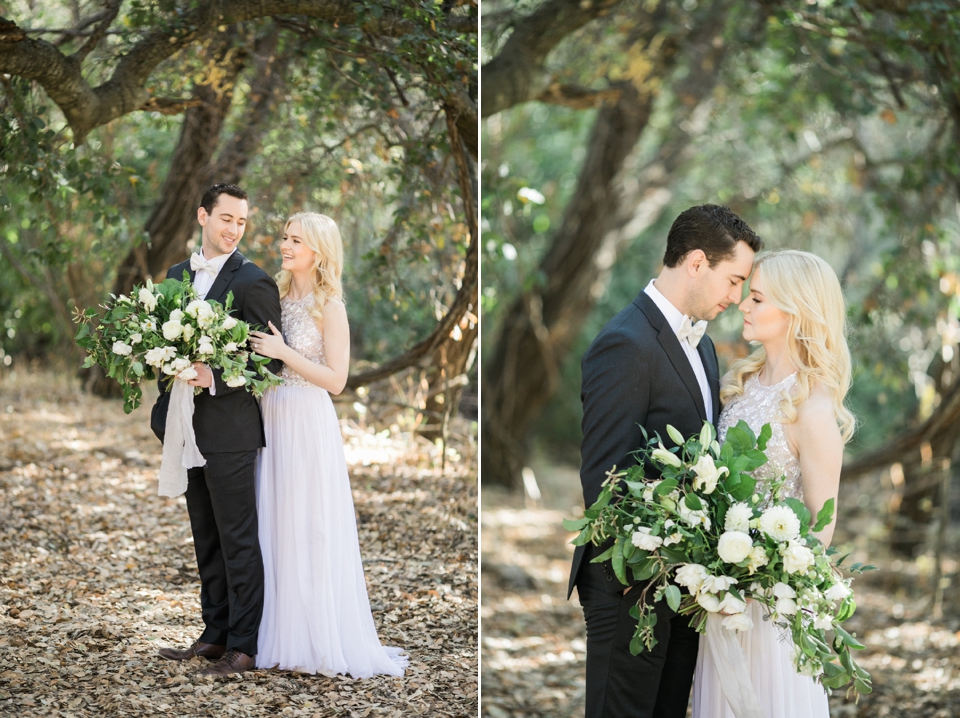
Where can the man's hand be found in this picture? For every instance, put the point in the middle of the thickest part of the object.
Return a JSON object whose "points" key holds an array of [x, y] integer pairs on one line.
{"points": [[204, 375]]}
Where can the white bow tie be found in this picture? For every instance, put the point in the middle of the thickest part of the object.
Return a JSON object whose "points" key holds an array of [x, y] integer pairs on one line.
{"points": [[693, 333], [199, 264]]}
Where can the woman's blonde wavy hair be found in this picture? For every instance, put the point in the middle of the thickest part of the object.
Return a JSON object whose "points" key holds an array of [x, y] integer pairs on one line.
{"points": [[806, 288], [320, 233]]}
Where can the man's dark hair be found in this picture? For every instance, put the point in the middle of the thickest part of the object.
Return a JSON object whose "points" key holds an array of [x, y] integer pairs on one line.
{"points": [[714, 229], [211, 196]]}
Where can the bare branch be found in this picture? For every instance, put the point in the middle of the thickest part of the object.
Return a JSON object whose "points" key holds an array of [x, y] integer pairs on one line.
{"points": [[99, 32], [576, 96], [169, 105]]}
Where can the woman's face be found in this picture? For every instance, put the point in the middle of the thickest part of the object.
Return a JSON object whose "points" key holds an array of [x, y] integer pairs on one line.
{"points": [[762, 321], [298, 258]]}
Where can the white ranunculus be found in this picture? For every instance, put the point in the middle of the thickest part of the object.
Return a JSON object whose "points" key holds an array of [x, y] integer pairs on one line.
{"points": [[122, 349], [823, 623], [229, 323], [690, 576], [665, 457], [673, 538], [837, 592], [236, 381], [780, 523], [176, 315], [181, 363], [716, 584], [205, 346], [188, 374], [737, 622], [731, 604], [709, 602], [783, 590], [797, 558], [758, 559], [643, 540], [193, 308], [738, 517], [707, 474], [230, 347], [136, 338], [172, 330], [158, 356], [786, 606], [734, 546], [147, 299]]}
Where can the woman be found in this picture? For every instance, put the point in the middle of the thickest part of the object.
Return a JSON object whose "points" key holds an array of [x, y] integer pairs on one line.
{"points": [[316, 614], [795, 381]]}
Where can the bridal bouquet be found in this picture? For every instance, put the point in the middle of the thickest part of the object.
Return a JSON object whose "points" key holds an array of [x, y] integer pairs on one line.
{"points": [[702, 526], [164, 328]]}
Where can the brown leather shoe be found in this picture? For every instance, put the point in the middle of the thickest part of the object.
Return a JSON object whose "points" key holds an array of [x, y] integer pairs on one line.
{"points": [[233, 661], [204, 650]]}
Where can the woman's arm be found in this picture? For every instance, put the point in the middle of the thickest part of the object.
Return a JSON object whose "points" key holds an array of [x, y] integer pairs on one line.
{"points": [[336, 345], [816, 438]]}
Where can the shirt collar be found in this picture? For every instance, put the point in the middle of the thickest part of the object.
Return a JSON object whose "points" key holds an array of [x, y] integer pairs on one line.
{"points": [[673, 315], [218, 262]]}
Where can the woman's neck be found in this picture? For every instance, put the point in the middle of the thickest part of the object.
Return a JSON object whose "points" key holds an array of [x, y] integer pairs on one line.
{"points": [[300, 285], [777, 365]]}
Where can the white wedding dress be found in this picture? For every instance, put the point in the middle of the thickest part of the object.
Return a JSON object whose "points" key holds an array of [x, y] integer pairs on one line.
{"points": [[782, 692], [316, 614]]}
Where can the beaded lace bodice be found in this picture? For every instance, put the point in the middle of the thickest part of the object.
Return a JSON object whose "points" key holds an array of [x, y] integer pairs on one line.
{"points": [[301, 334], [759, 405]]}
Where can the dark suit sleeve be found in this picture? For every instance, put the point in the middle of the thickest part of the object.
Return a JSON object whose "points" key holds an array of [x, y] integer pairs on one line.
{"points": [[616, 395], [261, 305]]}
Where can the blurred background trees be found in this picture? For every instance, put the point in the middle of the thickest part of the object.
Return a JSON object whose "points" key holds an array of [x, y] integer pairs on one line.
{"points": [[832, 127], [116, 115]]}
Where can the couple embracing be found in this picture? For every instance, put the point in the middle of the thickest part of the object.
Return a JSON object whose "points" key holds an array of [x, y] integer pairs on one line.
{"points": [[652, 365], [271, 510]]}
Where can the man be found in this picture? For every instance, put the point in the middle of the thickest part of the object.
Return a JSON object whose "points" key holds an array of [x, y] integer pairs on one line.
{"points": [[221, 498], [650, 366]]}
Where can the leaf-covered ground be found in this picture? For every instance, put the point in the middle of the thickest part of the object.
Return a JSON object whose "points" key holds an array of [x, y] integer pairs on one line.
{"points": [[533, 646], [97, 572]]}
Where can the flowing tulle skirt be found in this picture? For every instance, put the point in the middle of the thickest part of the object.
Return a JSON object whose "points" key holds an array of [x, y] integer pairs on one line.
{"points": [[783, 692], [316, 614]]}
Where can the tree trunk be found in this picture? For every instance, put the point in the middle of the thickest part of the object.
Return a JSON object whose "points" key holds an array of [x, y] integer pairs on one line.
{"points": [[613, 203]]}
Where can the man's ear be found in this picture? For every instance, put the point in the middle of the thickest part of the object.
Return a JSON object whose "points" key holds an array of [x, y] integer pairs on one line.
{"points": [[202, 216], [695, 262]]}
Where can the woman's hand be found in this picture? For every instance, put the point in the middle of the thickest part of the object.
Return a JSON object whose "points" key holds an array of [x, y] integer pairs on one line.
{"points": [[271, 345]]}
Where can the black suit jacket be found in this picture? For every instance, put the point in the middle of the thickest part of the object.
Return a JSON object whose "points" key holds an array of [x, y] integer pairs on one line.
{"points": [[229, 421], [635, 373]]}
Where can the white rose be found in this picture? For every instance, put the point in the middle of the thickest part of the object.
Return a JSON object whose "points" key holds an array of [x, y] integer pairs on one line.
{"points": [[731, 604], [122, 349], [780, 523], [187, 374], [797, 558], [823, 623], [205, 346], [643, 540], [229, 323], [837, 592], [707, 474], [237, 381], [691, 576], [665, 457], [716, 584], [169, 369], [147, 299], [136, 339], [230, 347], [194, 307], [758, 559], [734, 546], [180, 363], [188, 331], [176, 315], [782, 590], [172, 330], [709, 602], [786, 606], [737, 622], [738, 517]]}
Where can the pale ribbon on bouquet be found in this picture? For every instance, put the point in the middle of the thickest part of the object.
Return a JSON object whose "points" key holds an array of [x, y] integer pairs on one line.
{"points": [[180, 450], [732, 668]]}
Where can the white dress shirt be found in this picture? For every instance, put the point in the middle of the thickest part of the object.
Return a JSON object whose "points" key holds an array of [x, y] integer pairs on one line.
{"points": [[674, 318], [203, 281]]}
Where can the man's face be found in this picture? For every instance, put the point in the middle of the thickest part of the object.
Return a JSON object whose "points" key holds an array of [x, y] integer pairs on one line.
{"points": [[223, 227], [716, 288]]}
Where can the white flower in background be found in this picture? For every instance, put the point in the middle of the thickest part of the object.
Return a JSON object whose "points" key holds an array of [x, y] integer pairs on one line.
{"points": [[122, 349], [731, 605], [229, 323], [758, 559], [193, 308], [737, 622], [643, 540], [205, 346], [837, 592], [236, 381], [709, 602], [529, 194], [149, 324], [812, 669], [673, 538], [188, 374], [693, 518], [665, 457], [734, 546], [786, 606], [172, 330], [757, 589], [690, 576], [230, 347], [668, 523], [648, 492], [176, 315], [188, 332], [147, 299], [181, 363], [797, 558], [823, 622], [136, 338], [738, 517], [716, 584], [783, 590], [780, 523], [707, 474], [160, 355]]}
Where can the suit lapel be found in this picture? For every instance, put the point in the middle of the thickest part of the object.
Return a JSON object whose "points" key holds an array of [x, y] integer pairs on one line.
{"points": [[218, 291], [713, 377], [671, 346]]}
